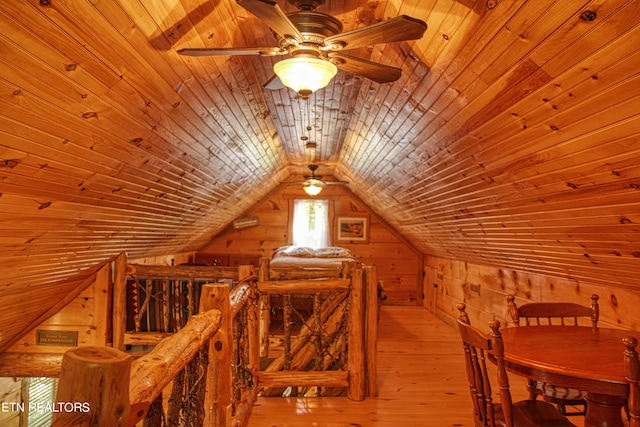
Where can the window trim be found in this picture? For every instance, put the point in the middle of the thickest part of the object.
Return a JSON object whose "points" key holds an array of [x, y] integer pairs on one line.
{"points": [[290, 205]]}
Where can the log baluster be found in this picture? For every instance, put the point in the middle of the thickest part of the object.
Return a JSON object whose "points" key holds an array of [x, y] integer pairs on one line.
{"points": [[264, 308], [371, 330], [356, 358], [119, 316], [219, 375]]}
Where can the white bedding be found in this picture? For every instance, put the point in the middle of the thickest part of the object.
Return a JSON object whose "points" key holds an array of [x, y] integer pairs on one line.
{"points": [[304, 258]]}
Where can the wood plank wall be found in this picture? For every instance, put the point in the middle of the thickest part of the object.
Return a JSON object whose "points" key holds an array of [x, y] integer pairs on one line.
{"points": [[10, 393], [398, 264], [88, 315], [484, 289]]}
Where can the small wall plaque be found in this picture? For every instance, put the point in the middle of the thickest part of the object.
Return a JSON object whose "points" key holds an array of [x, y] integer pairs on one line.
{"points": [[57, 338]]}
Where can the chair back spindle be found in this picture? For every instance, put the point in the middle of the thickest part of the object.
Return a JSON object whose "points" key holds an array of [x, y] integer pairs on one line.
{"points": [[476, 348], [632, 372], [549, 313], [555, 313], [480, 347]]}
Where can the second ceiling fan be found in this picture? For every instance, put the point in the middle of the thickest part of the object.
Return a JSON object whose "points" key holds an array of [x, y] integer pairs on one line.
{"points": [[313, 184], [316, 44]]}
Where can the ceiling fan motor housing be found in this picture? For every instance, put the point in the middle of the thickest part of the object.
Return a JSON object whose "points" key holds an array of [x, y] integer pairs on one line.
{"points": [[314, 26], [307, 4]]}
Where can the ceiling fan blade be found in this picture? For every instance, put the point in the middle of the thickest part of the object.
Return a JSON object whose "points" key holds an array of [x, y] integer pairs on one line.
{"points": [[335, 183], [274, 83], [379, 73], [273, 16], [392, 30], [235, 51]]}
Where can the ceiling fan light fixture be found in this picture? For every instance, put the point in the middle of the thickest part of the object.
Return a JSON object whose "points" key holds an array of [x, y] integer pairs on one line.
{"points": [[305, 75], [313, 187]]}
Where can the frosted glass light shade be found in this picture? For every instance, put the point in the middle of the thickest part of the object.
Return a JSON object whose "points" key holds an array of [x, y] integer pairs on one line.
{"points": [[305, 75], [313, 187]]}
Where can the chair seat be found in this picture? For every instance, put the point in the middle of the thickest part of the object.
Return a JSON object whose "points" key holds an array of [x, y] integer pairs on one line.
{"points": [[557, 392], [534, 413]]}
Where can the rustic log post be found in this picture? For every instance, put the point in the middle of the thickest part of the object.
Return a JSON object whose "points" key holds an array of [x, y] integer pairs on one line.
{"points": [[371, 330], [219, 376], [286, 312], [253, 327], [264, 309], [243, 409], [355, 361], [119, 316], [93, 388]]}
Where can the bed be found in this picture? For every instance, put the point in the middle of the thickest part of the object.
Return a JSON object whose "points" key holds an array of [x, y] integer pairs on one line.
{"points": [[301, 262], [305, 258]]}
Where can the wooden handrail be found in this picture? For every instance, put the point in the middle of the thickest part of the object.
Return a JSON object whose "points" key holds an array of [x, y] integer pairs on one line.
{"points": [[238, 297], [303, 286], [196, 271], [118, 391], [150, 374], [229, 395]]}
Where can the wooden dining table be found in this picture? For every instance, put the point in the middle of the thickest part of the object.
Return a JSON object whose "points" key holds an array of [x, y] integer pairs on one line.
{"points": [[580, 357]]}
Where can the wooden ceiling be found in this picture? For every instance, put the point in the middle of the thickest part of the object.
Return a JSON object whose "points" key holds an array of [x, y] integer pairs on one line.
{"points": [[511, 138]]}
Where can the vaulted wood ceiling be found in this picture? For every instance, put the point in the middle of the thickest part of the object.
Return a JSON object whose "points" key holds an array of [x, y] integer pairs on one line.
{"points": [[511, 138]]}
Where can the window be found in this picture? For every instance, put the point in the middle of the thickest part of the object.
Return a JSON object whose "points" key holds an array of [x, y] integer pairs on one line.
{"points": [[311, 223], [42, 392]]}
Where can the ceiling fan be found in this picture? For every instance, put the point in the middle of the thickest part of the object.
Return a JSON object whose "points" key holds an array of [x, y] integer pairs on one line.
{"points": [[316, 43], [313, 184]]}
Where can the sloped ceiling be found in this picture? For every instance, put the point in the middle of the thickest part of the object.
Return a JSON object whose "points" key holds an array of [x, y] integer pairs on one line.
{"points": [[511, 138]]}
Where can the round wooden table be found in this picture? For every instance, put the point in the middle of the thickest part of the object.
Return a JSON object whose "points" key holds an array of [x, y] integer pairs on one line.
{"points": [[579, 357]]}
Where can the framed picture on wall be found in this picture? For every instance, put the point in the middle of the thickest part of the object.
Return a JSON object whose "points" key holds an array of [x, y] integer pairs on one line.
{"points": [[352, 229]]}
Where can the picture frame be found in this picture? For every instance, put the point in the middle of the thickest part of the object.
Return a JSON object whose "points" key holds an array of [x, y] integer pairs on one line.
{"points": [[352, 229]]}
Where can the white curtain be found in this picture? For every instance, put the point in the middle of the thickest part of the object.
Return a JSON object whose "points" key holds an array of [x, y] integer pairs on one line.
{"points": [[311, 223]]}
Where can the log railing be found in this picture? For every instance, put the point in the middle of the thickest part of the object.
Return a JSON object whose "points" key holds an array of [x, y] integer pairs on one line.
{"points": [[116, 390], [220, 345], [334, 346]]}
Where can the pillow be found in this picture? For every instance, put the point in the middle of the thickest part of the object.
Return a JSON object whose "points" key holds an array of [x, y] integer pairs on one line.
{"points": [[333, 252], [297, 251]]}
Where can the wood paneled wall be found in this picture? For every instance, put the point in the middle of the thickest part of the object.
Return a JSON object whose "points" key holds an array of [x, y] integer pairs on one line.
{"points": [[10, 393], [398, 264], [484, 289], [88, 315]]}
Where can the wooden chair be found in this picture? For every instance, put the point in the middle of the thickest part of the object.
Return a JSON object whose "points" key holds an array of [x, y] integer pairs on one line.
{"points": [[632, 371], [561, 313], [526, 413]]}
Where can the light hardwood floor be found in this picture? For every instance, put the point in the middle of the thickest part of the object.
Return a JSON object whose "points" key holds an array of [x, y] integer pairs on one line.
{"points": [[421, 382]]}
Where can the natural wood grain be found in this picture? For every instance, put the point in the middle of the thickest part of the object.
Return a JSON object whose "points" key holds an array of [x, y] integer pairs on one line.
{"points": [[510, 141], [97, 376], [151, 373], [420, 378], [580, 357], [30, 364]]}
